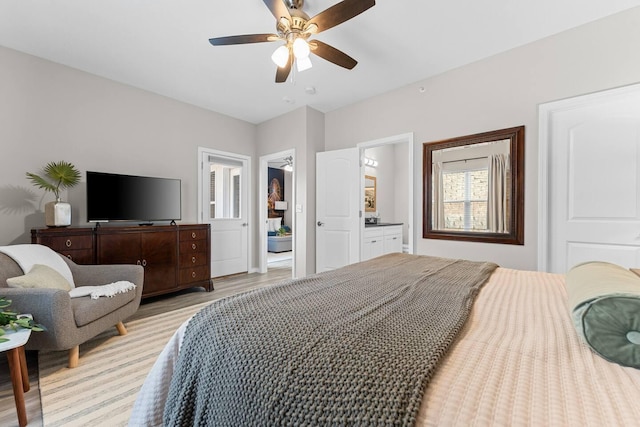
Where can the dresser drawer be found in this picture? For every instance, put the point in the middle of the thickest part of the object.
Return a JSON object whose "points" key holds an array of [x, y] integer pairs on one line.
{"points": [[195, 274], [79, 256], [67, 243], [193, 234], [192, 246], [192, 259]]}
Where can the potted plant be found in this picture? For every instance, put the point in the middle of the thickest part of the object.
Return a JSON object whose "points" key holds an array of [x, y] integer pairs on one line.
{"points": [[15, 321], [57, 176]]}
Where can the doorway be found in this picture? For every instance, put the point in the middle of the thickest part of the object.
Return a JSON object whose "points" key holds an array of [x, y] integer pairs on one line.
{"points": [[223, 189], [389, 163], [341, 192], [277, 212]]}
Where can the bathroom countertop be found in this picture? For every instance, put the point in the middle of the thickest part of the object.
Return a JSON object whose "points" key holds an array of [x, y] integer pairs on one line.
{"points": [[382, 224]]}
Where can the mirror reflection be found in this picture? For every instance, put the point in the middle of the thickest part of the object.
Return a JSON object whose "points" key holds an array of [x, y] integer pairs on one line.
{"points": [[473, 187], [224, 188], [369, 193]]}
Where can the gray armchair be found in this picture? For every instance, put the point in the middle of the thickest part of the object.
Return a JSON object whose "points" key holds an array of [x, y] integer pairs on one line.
{"points": [[72, 321]]}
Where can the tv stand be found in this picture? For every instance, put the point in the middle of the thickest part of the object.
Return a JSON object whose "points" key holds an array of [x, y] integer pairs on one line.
{"points": [[174, 257]]}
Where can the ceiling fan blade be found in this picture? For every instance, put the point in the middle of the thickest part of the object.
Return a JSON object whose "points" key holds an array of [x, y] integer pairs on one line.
{"points": [[278, 9], [339, 13], [332, 54], [243, 39], [283, 73]]}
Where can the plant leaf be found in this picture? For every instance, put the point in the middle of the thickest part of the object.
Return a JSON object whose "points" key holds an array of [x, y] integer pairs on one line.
{"points": [[40, 182], [64, 173], [60, 175]]}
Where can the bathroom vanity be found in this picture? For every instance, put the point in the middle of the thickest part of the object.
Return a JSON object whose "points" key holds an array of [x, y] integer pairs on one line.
{"points": [[380, 239]]}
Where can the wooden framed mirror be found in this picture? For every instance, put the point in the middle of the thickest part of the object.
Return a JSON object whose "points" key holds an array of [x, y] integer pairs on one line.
{"points": [[473, 187], [370, 187]]}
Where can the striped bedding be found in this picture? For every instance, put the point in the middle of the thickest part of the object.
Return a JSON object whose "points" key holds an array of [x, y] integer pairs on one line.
{"points": [[518, 361]]}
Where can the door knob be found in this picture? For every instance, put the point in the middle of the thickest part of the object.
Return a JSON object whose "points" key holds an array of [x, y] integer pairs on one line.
{"points": [[244, 224], [320, 223]]}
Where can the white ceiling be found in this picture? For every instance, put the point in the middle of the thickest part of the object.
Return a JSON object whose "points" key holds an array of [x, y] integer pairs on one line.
{"points": [[162, 45]]}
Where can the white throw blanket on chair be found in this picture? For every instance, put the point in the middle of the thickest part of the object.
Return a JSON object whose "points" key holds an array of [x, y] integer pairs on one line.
{"points": [[30, 254], [108, 290]]}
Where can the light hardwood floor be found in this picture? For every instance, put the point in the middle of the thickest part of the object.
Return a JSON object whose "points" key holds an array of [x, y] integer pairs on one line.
{"points": [[223, 287]]}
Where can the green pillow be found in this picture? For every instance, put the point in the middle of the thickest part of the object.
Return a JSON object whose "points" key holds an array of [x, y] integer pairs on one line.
{"points": [[604, 300], [40, 276]]}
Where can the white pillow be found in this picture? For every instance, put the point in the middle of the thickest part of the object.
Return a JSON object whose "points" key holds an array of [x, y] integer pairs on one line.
{"points": [[274, 224], [40, 276]]}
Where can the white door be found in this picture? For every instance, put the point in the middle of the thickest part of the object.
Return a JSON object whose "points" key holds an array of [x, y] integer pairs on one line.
{"points": [[593, 181], [338, 205], [224, 205]]}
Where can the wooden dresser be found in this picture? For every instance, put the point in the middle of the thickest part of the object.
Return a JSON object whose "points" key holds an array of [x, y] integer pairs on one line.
{"points": [[174, 257], [77, 244]]}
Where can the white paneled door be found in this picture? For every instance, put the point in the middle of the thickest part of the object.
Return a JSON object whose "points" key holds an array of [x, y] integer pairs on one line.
{"points": [[592, 180], [224, 195], [338, 205]]}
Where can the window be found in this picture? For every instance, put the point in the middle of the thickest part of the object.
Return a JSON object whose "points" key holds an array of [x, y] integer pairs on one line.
{"points": [[465, 196], [212, 195], [224, 188]]}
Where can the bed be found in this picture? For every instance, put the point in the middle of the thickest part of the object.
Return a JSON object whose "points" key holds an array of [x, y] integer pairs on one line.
{"points": [[517, 360]]}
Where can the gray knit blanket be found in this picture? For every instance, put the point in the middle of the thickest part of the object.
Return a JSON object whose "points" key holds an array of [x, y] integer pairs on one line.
{"points": [[354, 346]]}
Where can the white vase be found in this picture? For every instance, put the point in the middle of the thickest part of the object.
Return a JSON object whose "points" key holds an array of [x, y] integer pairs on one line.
{"points": [[57, 214]]}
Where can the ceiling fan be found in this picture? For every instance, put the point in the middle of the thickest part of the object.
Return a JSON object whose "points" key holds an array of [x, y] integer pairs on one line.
{"points": [[295, 27], [288, 164]]}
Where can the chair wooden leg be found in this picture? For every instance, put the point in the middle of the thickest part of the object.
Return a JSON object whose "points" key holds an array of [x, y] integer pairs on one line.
{"points": [[121, 329], [74, 357]]}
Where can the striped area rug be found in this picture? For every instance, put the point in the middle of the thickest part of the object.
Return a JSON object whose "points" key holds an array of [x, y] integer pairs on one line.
{"points": [[102, 389]]}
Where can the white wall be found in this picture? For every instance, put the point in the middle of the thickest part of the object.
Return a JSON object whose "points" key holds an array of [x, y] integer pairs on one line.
{"points": [[303, 131], [495, 93], [49, 112]]}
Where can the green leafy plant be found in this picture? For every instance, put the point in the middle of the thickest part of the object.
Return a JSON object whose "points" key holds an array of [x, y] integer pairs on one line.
{"points": [[281, 231], [57, 175], [13, 320]]}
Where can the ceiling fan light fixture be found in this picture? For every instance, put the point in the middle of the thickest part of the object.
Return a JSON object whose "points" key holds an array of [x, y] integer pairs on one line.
{"points": [[301, 48], [303, 64], [288, 164], [281, 56]]}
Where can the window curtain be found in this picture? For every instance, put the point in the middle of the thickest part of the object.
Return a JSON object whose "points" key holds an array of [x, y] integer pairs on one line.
{"points": [[497, 203], [437, 198]]}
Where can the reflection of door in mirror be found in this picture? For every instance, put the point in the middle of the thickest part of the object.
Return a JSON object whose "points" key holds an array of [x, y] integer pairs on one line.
{"points": [[224, 200], [369, 193], [473, 187]]}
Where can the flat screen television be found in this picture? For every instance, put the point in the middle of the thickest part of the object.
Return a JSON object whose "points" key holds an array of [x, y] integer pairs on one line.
{"points": [[143, 199]]}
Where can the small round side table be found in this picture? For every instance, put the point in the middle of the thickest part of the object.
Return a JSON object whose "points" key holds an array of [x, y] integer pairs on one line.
{"points": [[18, 368]]}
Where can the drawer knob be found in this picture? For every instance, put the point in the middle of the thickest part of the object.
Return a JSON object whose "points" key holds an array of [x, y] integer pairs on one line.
{"points": [[193, 274], [193, 259], [68, 243], [194, 246], [193, 234]]}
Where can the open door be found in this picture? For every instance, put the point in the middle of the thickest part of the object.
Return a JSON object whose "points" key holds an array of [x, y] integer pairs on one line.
{"points": [[224, 189], [338, 208]]}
